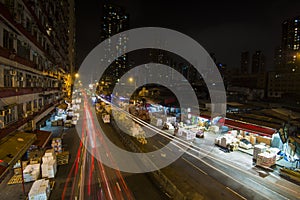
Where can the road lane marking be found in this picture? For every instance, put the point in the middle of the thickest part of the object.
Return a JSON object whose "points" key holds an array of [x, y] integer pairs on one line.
{"points": [[118, 186], [165, 145], [99, 182], [231, 190], [276, 193], [194, 166]]}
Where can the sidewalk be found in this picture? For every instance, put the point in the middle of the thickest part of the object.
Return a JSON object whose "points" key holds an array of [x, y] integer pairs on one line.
{"points": [[57, 131], [15, 191]]}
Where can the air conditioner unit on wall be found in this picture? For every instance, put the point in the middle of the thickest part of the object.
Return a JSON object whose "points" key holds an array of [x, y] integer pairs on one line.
{"points": [[2, 113], [13, 72], [12, 35], [24, 44]]}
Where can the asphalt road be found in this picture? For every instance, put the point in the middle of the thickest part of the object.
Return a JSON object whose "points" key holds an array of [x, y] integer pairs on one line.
{"points": [[86, 178]]}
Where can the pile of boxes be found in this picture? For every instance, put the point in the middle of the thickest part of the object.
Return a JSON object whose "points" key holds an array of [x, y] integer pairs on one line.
{"points": [[49, 166], [259, 148], [31, 172], [40, 190], [264, 139], [266, 159], [57, 145], [225, 140], [188, 135]]}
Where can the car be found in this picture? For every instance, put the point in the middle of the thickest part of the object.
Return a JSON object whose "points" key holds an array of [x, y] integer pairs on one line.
{"points": [[245, 144]]}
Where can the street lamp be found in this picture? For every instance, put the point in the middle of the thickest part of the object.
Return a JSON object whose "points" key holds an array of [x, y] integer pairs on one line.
{"points": [[132, 80], [76, 75]]}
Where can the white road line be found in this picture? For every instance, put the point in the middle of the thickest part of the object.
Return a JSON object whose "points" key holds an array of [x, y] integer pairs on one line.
{"points": [[118, 186], [256, 183], [195, 166], [165, 145], [99, 182], [231, 190]]}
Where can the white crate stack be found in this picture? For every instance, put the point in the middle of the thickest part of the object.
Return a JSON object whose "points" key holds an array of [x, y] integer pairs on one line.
{"points": [[266, 159], [259, 148], [188, 135], [57, 145], [31, 172], [49, 166], [40, 190]]}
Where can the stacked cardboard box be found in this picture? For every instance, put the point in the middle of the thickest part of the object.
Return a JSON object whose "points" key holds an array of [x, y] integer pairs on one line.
{"points": [[252, 139], [62, 158], [31, 172], [266, 159], [259, 148], [49, 166], [264, 139], [49, 169], [57, 145], [40, 190], [188, 135]]}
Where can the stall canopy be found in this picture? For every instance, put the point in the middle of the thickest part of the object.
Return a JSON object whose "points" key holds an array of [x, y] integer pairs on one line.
{"points": [[42, 138], [63, 106], [265, 131], [14, 146]]}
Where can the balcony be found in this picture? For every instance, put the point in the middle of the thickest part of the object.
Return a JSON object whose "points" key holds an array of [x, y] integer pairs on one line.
{"points": [[14, 126], [6, 53], [17, 91], [7, 15]]}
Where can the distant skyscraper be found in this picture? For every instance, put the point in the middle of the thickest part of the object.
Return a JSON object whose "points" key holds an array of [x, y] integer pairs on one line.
{"points": [[114, 21], [258, 62], [245, 62], [278, 59], [290, 43], [291, 34]]}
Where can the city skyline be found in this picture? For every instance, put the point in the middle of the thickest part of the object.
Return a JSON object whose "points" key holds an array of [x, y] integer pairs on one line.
{"points": [[227, 29]]}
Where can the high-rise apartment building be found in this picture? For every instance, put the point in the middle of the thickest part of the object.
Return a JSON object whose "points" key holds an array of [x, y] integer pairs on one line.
{"points": [[245, 62], [290, 45], [258, 62], [114, 21], [36, 59]]}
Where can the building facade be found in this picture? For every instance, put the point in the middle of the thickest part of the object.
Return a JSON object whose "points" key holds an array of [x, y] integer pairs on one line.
{"points": [[36, 59], [283, 84], [258, 62], [114, 21], [245, 62], [290, 46]]}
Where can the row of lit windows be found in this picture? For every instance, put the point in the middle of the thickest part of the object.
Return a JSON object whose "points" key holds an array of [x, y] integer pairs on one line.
{"points": [[13, 78], [22, 16], [24, 50]]}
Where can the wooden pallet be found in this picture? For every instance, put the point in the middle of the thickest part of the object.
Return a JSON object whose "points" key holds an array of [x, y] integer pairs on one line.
{"points": [[62, 158], [15, 179], [52, 183]]}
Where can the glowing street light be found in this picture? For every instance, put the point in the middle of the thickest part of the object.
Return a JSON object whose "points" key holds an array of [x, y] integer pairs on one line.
{"points": [[76, 75], [132, 80]]}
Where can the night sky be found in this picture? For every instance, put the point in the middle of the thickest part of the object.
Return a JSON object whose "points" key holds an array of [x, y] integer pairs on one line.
{"points": [[225, 28]]}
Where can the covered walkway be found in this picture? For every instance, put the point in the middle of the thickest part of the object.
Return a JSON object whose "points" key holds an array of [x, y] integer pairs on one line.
{"points": [[252, 128]]}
